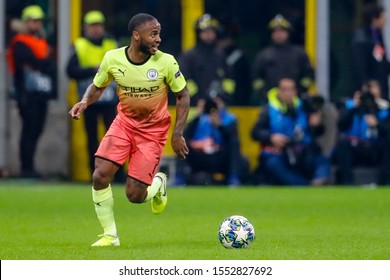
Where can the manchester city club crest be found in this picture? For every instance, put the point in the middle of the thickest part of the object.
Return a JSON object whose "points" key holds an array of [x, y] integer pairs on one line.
{"points": [[152, 74]]}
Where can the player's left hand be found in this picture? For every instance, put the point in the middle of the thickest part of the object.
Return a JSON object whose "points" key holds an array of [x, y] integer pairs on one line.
{"points": [[179, 146]]}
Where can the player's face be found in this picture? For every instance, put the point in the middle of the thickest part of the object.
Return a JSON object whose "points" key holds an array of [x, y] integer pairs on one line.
{"points": [[150, 37]]}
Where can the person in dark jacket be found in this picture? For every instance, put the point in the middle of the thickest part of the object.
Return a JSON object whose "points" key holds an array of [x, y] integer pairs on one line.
{"points": [[206, 72], [280, 59], [287, 133], [368, 51], [364, 125], [31, 62], [204, 65]]}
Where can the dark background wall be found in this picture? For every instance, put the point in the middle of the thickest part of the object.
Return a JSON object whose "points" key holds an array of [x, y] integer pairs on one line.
{"points": [[247, 20]]}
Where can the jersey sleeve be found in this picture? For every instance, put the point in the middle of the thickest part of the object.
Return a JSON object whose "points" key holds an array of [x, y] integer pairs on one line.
{"points": [[103, 77], [175, 78]]}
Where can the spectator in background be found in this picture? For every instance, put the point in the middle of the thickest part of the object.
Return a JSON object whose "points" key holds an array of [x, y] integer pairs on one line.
{"points": [[239, 65], [33, 68], [206, 72], [364, 126], [204, 65], [86, 55], [280, 59], [214, 145], [368, 52], [287, 130]]}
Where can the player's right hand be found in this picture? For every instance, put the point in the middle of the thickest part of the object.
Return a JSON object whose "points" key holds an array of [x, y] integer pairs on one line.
{"points": [[77, 109]]}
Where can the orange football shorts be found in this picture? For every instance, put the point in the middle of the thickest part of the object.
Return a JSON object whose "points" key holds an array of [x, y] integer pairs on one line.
{"points": [[143, 150]]}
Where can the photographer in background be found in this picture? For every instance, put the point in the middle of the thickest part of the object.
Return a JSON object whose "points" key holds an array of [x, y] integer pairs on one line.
{"points": [[215, 156], [287, 129], [364, 127]]}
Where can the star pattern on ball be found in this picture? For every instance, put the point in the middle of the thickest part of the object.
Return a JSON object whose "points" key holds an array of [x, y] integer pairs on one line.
{"points": [[241, 233]]}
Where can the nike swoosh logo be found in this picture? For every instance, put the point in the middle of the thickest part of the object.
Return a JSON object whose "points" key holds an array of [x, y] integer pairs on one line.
{"points": [[97, 203], [165, 187], [165, 191]]}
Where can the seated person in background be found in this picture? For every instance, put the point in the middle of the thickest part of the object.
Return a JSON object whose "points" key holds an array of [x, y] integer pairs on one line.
{"points": [[364, 126], [214, 145], [287, 132]]}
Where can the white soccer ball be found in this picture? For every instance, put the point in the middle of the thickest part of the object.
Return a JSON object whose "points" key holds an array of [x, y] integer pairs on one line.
{"points": [[236, 232]]}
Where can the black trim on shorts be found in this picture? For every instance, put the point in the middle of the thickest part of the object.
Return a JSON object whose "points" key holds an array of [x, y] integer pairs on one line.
{"points": [[117, 164], [138, 180]]}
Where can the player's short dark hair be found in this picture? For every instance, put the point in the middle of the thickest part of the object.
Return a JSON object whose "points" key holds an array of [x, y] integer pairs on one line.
{"points": [[372, 11], [138, 20]]}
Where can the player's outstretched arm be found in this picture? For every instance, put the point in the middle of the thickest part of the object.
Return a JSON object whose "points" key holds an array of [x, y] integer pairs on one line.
{"points": [[182, 108], [91, 95]]}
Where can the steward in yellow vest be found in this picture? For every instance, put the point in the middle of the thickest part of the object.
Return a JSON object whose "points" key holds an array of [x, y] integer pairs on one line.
{"points": [[87, 53]]}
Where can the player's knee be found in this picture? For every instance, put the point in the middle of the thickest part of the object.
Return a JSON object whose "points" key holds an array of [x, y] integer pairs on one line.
{"points": [[135, 191], [100, 177], [135, 197]]}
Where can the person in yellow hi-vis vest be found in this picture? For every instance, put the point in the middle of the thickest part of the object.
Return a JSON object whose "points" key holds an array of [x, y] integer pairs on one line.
{"points": [[87, 53]]}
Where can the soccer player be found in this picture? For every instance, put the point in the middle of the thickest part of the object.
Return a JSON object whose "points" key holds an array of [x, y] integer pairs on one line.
{"points": [[140, 130]]}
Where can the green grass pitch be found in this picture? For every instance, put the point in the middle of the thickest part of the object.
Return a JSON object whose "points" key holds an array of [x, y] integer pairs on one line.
{"points": [[57, 221]]}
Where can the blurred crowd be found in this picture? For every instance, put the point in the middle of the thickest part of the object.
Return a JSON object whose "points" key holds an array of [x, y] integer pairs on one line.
{"points": [[303, 139]]}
